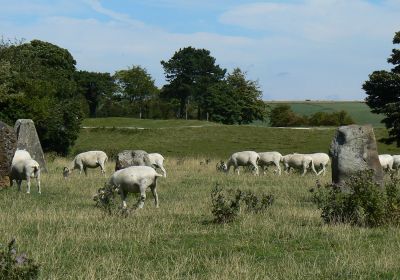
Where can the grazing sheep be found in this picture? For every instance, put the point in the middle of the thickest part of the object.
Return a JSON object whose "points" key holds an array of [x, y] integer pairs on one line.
{"points": [[157, 161], [82, 161], [135, 179], [396, 162], [23, 167], [269, 158], [298, 161], [386, 162], [320, 160], [245, 158]]}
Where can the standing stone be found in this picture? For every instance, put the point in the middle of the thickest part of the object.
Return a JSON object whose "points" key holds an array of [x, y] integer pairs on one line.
{"points": [[8, 145], [132, 158], [28, 140], [354, 149]]}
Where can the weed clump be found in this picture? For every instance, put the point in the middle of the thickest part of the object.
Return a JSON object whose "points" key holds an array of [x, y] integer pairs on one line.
{"points": [[362, 202], [226, 205], [16, 266]]}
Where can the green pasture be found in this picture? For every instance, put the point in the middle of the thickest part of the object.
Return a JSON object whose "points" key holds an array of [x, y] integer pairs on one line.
{"points": [[71, 239], [358, 110]]}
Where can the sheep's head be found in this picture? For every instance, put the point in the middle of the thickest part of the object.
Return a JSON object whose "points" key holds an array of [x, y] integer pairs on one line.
{"points": [[66, 172]]}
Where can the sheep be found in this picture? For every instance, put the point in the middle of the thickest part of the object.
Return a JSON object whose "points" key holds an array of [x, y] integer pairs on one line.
{"points": [[135, 179], [90, 159], [396, 162], [245, 158], [386, 162], [157, 161], [269, 158], [298, 161], [23, 167], [320, 160]]}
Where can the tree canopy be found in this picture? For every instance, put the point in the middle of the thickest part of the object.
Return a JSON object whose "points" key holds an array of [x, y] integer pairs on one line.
{"points": [[383, 94]]}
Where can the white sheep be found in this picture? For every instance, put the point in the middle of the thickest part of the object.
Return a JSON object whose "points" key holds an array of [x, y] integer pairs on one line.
{"points": [[82, 161], [23, 167], [396, 162], [245, 158], [157, 161], [135, 179], [270, 158], [386, 162], [320, 160], [298, 161]]}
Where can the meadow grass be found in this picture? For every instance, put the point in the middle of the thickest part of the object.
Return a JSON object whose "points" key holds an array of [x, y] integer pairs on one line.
{"points": [[71, 239]]}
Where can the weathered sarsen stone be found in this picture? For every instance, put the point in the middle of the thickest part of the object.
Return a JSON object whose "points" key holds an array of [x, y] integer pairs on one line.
{"points": [[132, 158], [8, 145], [28, 139], [354, 149]]}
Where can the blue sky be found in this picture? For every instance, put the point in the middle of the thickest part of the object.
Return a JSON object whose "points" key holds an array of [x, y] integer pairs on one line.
{"points": [[296, 49]]}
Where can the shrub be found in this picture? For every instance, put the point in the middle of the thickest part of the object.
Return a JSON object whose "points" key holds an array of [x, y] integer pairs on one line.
{"points": [[362, 202], [226, 209], [105, 200], [14, 266]]}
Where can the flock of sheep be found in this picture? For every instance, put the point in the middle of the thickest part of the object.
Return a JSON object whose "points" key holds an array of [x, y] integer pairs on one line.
{"points": [[137, 179]]}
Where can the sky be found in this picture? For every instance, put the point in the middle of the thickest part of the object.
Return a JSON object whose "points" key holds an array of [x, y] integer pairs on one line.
{"points": [[295, 49]]}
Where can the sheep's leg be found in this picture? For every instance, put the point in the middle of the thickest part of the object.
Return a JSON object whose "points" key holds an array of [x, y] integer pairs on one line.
{"points": [[19, 182], [236, 169], [163, 171], [255, 169], [264, 169], [304, 169], [142, 197], [28, 181], [278, 167], [103, 170], [85, 170], [123, 198], [38, 183], [155, 195]]}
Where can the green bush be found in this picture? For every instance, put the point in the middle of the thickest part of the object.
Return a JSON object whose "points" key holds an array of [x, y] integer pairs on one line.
{"points": [[14, 266], [226, 205], [362, 202]]}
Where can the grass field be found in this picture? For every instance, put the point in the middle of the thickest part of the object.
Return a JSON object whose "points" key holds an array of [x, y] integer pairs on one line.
{"points": [[71, 239], [358, 110]]}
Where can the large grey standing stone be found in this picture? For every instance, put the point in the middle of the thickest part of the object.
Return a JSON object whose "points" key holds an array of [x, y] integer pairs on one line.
{"points": [[354, 149], [132, 158], [28, 139], [8, 145]]}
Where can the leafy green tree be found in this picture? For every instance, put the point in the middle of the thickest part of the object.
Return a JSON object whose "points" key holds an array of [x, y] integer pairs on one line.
{"points": [[95, 87], [383, 94], [189, 73], [42, 88], [136, 85], [330, 119], [282, 116]]}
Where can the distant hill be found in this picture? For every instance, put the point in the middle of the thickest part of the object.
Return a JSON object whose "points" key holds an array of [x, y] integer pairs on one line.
{"points": [[358, 110]]}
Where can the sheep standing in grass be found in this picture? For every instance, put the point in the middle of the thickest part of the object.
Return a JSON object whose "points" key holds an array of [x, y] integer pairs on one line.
{"points": [[270, 158], [396, 162], [157, 161], [298, 161], [23, 167], [82, 161], [245, 158], [386, 162], [321, 161], [135, 179]]}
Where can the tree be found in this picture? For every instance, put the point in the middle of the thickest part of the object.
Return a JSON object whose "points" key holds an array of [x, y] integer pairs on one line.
{"points": [[190, 73], [282, 116], [95, 87], [40, 86], [383, 94], [135, 85]]}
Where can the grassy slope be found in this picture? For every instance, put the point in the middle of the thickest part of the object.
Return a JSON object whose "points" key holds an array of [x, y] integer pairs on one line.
{"points": [[72, 240], [359, 111], [214, 142]]}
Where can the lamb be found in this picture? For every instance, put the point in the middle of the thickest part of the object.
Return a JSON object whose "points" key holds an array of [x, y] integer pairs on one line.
{"points": [[386, 161], [396, 162], [269, 158], [245, 158], [23, 167], [157, 161], [82, 161], [298, 161], [135, 179], [320, 160]]}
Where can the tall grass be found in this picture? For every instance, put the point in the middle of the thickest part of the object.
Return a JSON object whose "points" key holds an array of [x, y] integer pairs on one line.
{"points": [[71, 239]]}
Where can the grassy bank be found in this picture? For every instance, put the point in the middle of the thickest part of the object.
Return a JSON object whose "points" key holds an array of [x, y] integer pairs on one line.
{"points": [[73, 240]]}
